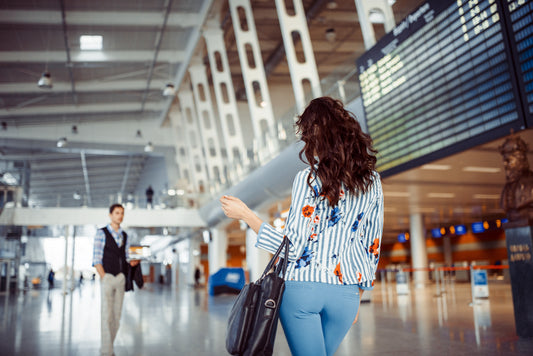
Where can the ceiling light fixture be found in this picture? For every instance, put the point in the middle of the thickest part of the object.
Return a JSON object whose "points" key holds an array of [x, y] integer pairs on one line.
{"points": [[481, 169], [486, 196], [46, 80], [149, 147], [441, 195], [91, 42], [138, 134], [62, 142], [331, 35], [332, 4], [376, 16], [437, 167], [169, 90], [397, 194], [74, 129]]}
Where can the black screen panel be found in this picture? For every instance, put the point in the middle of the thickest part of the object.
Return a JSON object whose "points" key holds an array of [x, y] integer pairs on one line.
{"points": [[442, 81]]}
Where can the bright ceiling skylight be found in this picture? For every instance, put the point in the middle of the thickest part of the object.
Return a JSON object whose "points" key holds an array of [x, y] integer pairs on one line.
{"points": [[91, 42]]}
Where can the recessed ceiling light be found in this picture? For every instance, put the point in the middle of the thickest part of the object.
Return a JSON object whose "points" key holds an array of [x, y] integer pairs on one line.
{"points": [[91, 42], [486, 196], [441, 195], [437, 167], [149, 147], [376, 16], [423, 210], [397, 194], [481, 169]]}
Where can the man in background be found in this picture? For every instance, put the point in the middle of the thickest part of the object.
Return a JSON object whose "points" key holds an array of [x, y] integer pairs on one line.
{"points": [[110, 258]]}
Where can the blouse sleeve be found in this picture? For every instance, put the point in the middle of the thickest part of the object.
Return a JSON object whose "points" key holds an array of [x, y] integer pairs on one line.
{"points": [[296, 226]]}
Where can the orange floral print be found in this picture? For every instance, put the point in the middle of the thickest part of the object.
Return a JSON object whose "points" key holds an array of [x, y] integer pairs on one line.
{"points": [[338, 272], [312, 237], [316, 219], [359, 277], [307, 211], [374, 248]]}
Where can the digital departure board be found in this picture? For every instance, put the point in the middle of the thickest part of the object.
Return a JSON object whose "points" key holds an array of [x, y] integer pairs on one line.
{"points": [[442, 81], [520, 25]]}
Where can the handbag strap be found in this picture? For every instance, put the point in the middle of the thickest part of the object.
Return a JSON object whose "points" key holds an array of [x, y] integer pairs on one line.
{"points": [[282, 266]]}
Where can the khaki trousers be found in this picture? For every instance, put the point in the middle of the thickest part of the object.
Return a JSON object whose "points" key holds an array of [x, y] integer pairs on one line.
{"points": [[112, 288]]}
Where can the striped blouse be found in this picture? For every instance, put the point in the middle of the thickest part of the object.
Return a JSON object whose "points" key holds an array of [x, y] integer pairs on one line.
{"points": [[335, 245]]}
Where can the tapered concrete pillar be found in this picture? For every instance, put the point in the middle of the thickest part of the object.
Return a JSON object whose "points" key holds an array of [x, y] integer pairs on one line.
{"points": [[217, 250], [303, 70], [419, 257]]}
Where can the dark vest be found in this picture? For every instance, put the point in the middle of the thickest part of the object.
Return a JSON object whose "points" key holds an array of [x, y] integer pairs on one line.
{"points": [[114, 258]]}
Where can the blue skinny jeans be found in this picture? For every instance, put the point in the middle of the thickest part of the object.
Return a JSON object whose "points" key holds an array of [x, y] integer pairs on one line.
{"points": [[316, 316]]}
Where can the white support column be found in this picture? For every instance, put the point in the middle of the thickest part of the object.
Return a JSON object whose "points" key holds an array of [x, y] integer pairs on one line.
{"points": [[419, 255], [65, 267], [256, 258], [226, 103], [255, 83], [217, 250], [181, 145], [190, 119], [300, 71], [72, 275], [206, 116], [363, 12]]}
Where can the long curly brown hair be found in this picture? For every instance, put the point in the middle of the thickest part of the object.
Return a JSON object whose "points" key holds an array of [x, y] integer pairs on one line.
{"points": [[336, 148]]}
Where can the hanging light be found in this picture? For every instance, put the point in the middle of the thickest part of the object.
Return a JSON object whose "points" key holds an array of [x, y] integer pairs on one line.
{"points": [[169, 90], [332, 4], [149, 147], [331, 35], [62, 142], [46, 81]]}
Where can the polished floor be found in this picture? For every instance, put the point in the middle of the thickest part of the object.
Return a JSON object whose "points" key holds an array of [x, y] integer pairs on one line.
{"points": [[160, 320]]}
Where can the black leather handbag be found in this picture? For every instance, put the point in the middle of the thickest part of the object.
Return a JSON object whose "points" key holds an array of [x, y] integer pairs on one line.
{"points": [[253, 319]]}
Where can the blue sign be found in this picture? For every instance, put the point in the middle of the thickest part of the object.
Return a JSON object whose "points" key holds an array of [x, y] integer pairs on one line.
{"points": [[436, 233], [460, 229], [480, 277], [401, 238], [478, 227]]}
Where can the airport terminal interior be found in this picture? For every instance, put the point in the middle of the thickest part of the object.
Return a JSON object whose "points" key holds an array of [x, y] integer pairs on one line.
{"points": [[164, 106]]}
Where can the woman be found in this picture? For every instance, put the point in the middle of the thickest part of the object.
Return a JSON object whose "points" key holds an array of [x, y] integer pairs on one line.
{"points": [[335, 224]]}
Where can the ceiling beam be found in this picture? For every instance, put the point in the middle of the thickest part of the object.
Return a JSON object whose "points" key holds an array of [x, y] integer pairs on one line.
{"points": [[99, 18], [82, 86], [91, 56], [79, 109]]}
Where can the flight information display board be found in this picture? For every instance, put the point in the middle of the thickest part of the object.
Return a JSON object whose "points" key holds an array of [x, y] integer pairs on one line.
{"points": [[520, 25], [442, 81]]}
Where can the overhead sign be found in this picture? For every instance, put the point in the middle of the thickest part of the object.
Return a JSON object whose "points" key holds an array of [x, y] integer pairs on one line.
{"points": [[444, 80]]}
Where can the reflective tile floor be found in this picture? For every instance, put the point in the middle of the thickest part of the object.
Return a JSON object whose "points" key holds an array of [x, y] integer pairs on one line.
{"points": [[160, 320]]}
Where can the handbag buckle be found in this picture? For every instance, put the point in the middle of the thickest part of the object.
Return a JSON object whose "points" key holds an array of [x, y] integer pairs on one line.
{"points": [[270, 303]]}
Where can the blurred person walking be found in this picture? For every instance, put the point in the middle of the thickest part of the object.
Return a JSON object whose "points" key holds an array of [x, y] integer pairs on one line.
{"points": [[110, 258]]}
